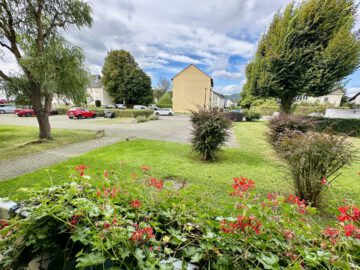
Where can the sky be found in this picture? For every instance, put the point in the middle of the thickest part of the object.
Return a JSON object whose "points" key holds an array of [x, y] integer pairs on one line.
{"points": [[218, 36]]}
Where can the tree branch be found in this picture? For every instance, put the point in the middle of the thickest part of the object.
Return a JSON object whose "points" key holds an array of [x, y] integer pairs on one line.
{"points": [[5, 46], [4, 76]]}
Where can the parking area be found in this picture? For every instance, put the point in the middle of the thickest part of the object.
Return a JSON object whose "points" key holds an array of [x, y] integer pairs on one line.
{"points": [[168, 128]]}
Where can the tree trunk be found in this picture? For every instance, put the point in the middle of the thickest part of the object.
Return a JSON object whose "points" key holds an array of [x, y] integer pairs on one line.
{"points": [[42, 114], [286, 104]]}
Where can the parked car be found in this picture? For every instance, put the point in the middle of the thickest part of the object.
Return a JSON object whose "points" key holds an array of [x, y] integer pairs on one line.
{"points": [[139, 107], [164, 111], [3, 101], [108, 106], [7, 108], [154, 107], [80, 113], [120, 106], [27, 112]]}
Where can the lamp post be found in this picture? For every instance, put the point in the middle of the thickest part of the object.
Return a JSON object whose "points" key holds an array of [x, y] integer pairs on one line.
{"points": [[205, 99]]}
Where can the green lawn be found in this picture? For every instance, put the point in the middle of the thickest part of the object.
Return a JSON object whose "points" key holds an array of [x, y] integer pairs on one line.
{"points": [[208, 183], [17, 140]]}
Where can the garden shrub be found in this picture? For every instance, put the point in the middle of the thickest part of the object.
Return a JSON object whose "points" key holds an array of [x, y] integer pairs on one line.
{"points": [[350, 127], [314, 159], [98, 103], [284, 123], [210, 132], [251, 115], [234, 116], [165, 105], [141, 119], [62, 109], [141, 224], [153, 117]]}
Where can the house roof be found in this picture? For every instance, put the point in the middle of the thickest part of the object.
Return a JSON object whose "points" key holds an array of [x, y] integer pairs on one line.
{"points": [[220, 95], [212, 82], [354, 97], [95, 81]]}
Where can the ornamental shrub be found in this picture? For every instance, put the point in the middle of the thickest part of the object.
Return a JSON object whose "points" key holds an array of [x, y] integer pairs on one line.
{"points": [[314, 160], [350, 127], [283, 123], [210, 132], [140, 223], [251, 115]]}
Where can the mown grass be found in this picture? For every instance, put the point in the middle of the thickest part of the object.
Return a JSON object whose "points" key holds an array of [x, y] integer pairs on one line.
{"points": [[208, 183], [18, 140]]}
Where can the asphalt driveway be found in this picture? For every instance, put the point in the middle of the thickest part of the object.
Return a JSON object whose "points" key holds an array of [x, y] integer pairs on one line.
{"points": [[168, 128]]}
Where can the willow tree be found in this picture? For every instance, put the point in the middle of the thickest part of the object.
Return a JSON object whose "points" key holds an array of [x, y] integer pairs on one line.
{"points": [[31, 31], [306, 50]]}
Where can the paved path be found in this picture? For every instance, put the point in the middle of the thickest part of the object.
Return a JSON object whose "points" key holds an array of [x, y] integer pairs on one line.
{"points": [[171, 129]]}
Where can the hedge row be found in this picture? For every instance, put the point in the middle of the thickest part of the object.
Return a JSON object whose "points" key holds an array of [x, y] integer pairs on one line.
{"points": [[100, 112], [351, 127], [164, 105]]}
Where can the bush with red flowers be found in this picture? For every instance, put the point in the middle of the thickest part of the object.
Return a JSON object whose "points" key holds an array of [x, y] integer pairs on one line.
{"points": [[141, 223]]}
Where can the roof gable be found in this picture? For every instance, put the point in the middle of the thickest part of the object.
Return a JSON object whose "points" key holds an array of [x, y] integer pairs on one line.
{"points": [[354, 97], [192, 65]]}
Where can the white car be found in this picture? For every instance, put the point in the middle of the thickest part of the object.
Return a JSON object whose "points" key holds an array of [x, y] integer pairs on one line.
{"points": [[6, 108], [139, 107], [164, 111], [120, 106]]}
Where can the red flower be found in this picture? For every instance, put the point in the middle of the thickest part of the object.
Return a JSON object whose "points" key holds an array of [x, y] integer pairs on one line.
{"points": [[242, 224], [350, 229], [82, 173], [145, 168], [3, 224], [323, 181], [296, 200], [355, 214], [332, 232], [106, 174], [272, 196], [106, 225], [344, 215], [98, 193], [135, 204], [242, 185], [142, 234], [158, 184], [81, 168], [75, 219]]}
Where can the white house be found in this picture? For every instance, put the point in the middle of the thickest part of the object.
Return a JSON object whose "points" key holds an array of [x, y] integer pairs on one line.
{"points": [[96, 91], [334, 98], [229, 103], [355, 99], [217, 100]]}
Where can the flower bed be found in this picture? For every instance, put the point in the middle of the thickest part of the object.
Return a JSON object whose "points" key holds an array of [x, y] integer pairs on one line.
{"points": [[142, 223]]}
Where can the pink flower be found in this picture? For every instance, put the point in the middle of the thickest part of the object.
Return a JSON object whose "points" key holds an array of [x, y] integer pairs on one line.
{"points": [[332, 232], [323, 181]]}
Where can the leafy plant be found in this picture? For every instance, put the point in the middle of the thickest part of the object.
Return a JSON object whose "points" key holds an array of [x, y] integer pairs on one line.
{"points": [[210, 132], [251, 115], [283, 123], [314, 160], [141, 119], [141, 223]]}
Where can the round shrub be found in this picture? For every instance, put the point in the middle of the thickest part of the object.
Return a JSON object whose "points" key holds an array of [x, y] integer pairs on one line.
{"points": [[210, 132], [284, 123], [314, 158]]}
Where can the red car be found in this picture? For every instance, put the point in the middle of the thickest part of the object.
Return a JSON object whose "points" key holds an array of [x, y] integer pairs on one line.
{"points": [[80, 113], [25, 112]]}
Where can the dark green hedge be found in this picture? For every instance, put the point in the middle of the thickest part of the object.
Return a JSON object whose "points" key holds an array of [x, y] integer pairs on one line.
{"points": [[118, 113], [351, 127]]}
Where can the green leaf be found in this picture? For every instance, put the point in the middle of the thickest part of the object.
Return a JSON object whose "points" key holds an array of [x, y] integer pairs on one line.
{"points": [[90, 259]]}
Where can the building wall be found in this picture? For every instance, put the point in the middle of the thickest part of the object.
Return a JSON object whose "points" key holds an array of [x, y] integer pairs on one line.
{"points": [[99, 93], [333, 99], [191, 88], [217, 101]]}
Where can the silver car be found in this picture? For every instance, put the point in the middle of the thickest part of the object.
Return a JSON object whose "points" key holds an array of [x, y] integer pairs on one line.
{"points": [[6, 108]]}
